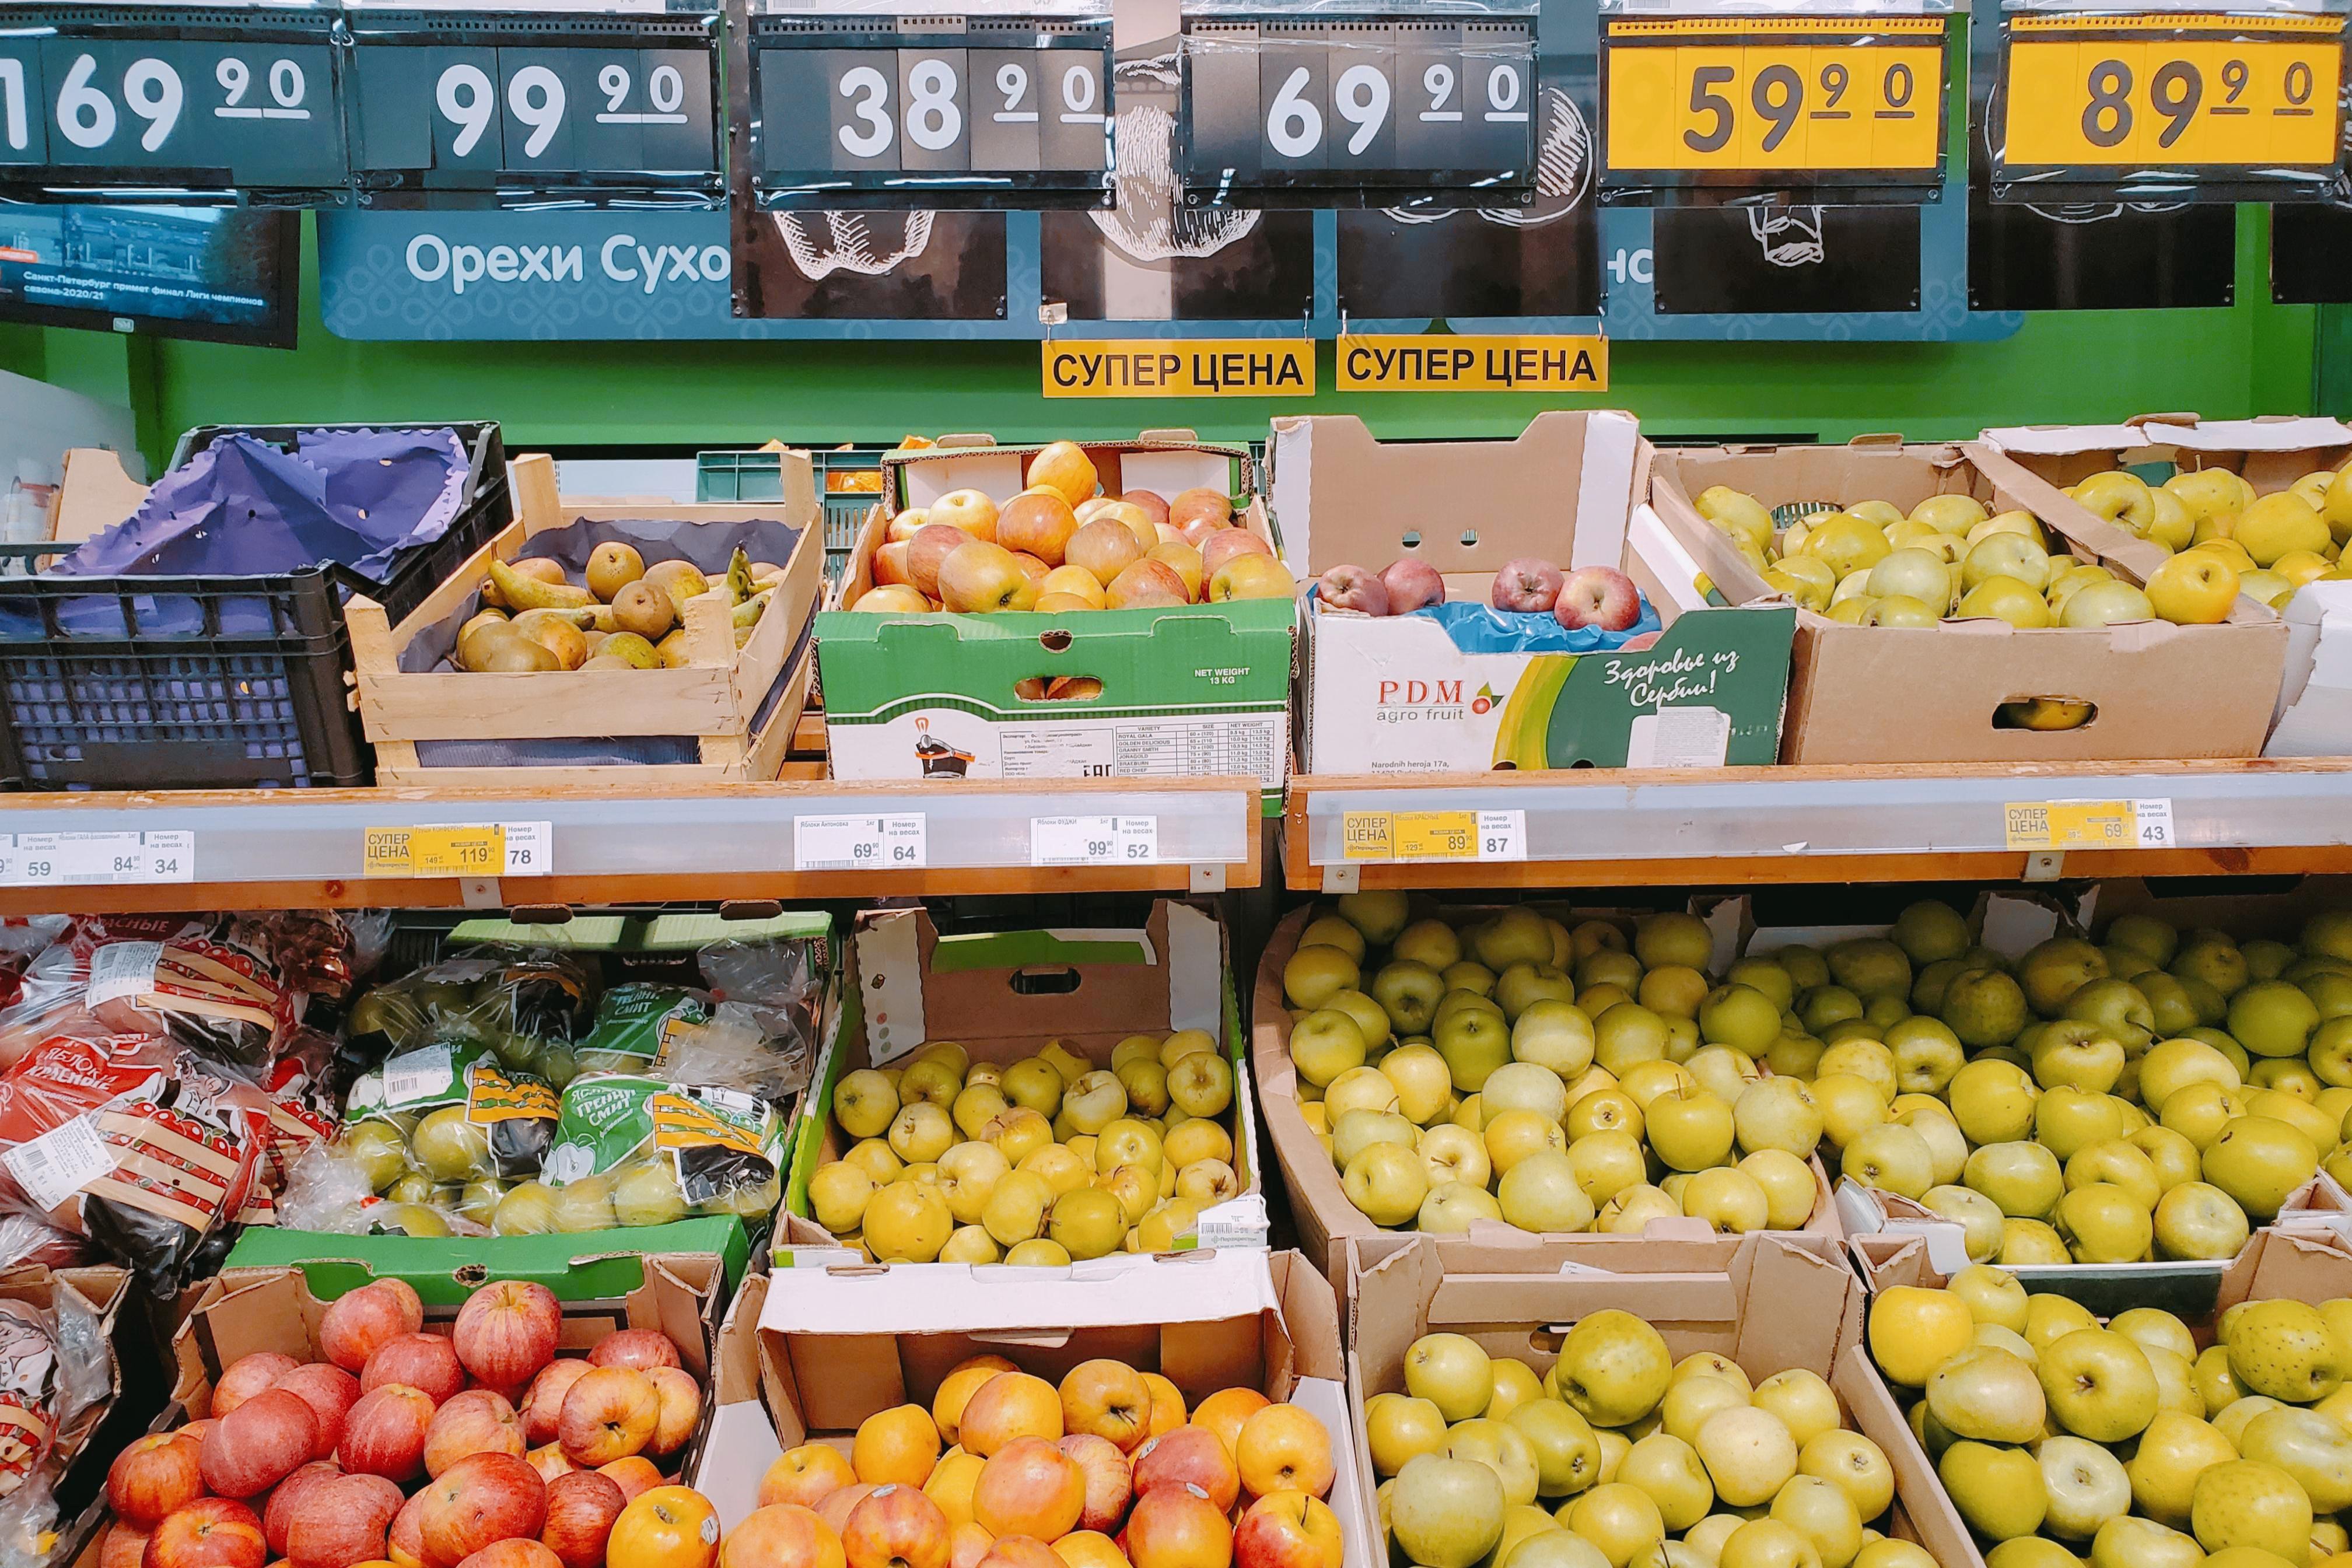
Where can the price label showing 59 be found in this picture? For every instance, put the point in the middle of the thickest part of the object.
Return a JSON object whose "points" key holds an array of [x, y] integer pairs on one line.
{"points": [[2166, 93]]}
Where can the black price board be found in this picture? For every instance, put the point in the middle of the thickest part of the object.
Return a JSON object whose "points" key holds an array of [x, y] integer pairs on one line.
{"points": [[475, 108], [1362, 109], [977, 112], [185, 104]]}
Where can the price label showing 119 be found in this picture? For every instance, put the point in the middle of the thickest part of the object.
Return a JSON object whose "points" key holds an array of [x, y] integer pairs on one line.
{"points": [[2172, 91]]}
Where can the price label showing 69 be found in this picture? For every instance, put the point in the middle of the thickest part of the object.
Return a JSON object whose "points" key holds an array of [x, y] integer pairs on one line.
{"points": [[2166, 91]]}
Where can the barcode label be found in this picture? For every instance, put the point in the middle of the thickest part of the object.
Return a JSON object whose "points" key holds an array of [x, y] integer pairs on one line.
{"points": [[60, 1161], [122, 969], [417, 1075]]}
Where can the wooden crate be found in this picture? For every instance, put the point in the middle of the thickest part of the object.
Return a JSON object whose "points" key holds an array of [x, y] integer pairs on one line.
{"points": [[714, 698]]}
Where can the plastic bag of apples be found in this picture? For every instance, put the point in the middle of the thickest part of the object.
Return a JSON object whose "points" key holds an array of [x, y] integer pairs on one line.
{"points": [[481, 1447]]}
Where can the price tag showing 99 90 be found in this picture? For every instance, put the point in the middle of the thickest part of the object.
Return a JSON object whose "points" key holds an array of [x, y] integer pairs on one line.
{"points": [[1406, 102]]}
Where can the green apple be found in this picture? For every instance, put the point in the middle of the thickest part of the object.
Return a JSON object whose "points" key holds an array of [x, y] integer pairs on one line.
{"points": [[1891, 1157], [2086, 1486], [2098, 1384], [2023, 1178], [1357, 1131], [1983, 1007], [1998, 1490], [1669, 1470], [1408, 993], [1778, 1113], [1452, 1207], [2117, 1007], [1398, 1427], [1613, 1368], [2273, 1018], [1431, 944], [2260, 1160], [1739, 1017], [1473, 1042], [1568, 1454], [1992, 1101], [1445, 1513], [1324, 1044], [1315, 973], [2101, 1223], [1380, 916], [2244, 1502], [1453, 1154], [1452, 1372], [1522, 986], [1387, 1181]]}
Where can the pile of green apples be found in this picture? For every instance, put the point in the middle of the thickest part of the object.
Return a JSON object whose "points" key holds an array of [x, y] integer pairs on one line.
{"points": [[1621, 1456], [1039, 1161], [2152, 1097], [2060, 1438]]}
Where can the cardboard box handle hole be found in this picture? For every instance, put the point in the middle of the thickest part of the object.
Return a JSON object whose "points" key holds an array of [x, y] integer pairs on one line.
{"points": [[2049, 714], [1058, 688], [1044, 982]]}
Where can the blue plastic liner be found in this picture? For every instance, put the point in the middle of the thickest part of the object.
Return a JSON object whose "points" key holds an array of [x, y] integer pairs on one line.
{"points": [[1482, 629]]}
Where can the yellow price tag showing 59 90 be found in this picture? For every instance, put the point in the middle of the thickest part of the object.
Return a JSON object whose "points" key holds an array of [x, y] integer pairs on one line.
{"points": [[2161, 91]]}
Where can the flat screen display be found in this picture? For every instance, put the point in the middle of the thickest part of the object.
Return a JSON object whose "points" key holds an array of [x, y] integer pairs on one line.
{"points": [[227, 274]]}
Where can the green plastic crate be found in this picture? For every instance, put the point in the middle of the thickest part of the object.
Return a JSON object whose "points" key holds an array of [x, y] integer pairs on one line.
{"points": [[729, 476]]}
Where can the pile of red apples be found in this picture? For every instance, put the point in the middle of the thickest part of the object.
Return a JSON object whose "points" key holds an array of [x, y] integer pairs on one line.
{"points": [[1600, 597]]}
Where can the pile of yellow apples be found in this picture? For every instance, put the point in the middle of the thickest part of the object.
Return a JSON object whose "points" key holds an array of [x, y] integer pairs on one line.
{"points": [[1949, 559], [2061, 1438], [2153, 1096], [1619, 1457], [1062, 545], [1004, 1469], [1046, 1161]]}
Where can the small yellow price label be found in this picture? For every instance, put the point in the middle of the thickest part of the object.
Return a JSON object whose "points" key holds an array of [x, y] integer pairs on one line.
{"points": [[2104, 92], [2070, 824], [1367, 836], [1773, 94], [1434, 835], [458, 849], [1437, 836]]}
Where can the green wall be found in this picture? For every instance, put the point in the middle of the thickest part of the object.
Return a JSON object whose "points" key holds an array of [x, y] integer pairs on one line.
{"points": [[2253, 358]]}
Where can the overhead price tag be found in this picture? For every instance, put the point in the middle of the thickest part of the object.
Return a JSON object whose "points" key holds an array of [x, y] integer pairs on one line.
{"points": [[1473, 364], [993, 111], [82, 859], [1189, 367], [2171, 90], [1103, 840], [460, 850], [899, 843], [2088, 825], [1434, 835], [1773, 96]]}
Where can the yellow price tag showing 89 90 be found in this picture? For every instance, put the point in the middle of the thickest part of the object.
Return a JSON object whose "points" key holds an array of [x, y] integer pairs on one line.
{"points": [[2105, 92], [1772, 94]]}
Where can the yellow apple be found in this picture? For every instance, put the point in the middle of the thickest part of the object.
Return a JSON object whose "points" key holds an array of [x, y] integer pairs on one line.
{"points": [[2193, 589]]}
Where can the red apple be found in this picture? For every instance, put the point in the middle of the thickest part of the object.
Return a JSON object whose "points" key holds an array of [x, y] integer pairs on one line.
{"points": [[891, 566], [1029, 1487], [403, 1543], [1411, 585], [639, 1348], [1146, 585], [1038, 523], [551, 1461], [544, 1402], [1190, 1455], [197, 1429], [1110, 1480], [481, 1499], [1021, 1551], [248, 1375], [258, 1445], [580, 1508], [155, 1476], [385, 1433], [933, 543], [1200, 507], [1352, 588], [342, 1521], [1637, 644], [513, 1554], [1153, 506], [1177, 1527], [1288, 1530], [1599, 597], [474, 1422], [359, 1323], [681, 1408], [608, 1414], [330, 1391], [782, 1535], [506, 1332], [429, 1361], [277, 1514], [897, 1526], [633, 1475], [1527, 585], [839, 1504], [210, 1532], [1221, 545], [122, 1546]]}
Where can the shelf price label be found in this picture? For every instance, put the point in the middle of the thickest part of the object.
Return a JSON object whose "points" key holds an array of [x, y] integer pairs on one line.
{"points": [[1772, 95], [2088, 825], [88, 860], [2172, 91], [99, 100], [1104, 840], [899, 842], [460, 850], [1426, 836]]}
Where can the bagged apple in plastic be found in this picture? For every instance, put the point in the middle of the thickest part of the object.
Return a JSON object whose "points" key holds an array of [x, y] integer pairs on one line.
{"points": [[634, 1150], [450, 1112], [527, 1005]]}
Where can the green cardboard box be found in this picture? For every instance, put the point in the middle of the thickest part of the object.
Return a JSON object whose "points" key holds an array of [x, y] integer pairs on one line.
{"points": [[587, 1266], [911, 985], [1193, 692]]}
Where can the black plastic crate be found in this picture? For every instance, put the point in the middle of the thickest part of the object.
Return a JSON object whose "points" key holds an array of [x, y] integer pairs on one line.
{"points": [[160, 682]]}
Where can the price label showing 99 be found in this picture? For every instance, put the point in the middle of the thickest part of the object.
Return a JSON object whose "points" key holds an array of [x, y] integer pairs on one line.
{"points": [[1372, 104], [993, 114], [2099, 92], [462, 111], [263, 114], [1772, 95]]}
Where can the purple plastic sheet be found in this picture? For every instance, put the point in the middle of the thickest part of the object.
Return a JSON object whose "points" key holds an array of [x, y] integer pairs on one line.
{"points": [[242, 507]]}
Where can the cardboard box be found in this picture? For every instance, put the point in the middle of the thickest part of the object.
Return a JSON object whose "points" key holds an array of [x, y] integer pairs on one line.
{"points": [[836, 1345], [1003, 995], [1193, 693], [728, 714], [1770, 1307], [588, 1266], [1328, 1222], [740, 1440], [1885, 694], [2276, 1265], [1395, 695]]}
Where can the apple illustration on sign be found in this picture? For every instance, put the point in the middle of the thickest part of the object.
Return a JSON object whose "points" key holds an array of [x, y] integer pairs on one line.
{"points": [[1601, 597]]}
